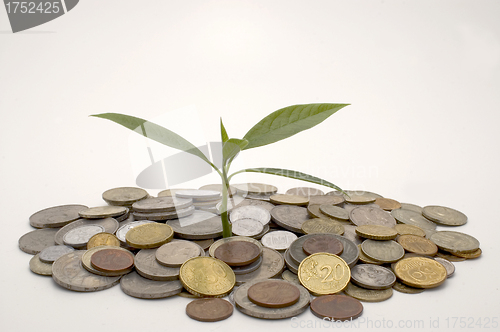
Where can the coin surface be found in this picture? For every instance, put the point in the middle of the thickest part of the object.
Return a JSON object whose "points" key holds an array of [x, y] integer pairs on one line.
{"points": [[367, 215], [376, 232], [290, 263], [107, 211], [202, 230], [258, 213], [247, 227], [414, 218], [450, 268], [278, 240], [87, 264], [50, 254], [326, 199], [218, 187], [79, 236], [197, 194], [218, 243], [207, 276], [272, 265], [167, 215], [444, 215], [147, 266], [209, 310], [147, 236], [112, 260], [360, 197], [255, 188], [37, 240], [336, 307], [413, 207], [122, 231], [169, 192], [290, 217], [304, 191], [290, 276], [161, 204], [134, 285], [368, 295], [254, 202], [420, 272], [289, 199], [455, 241], [273, 294], [56, 216], [404, 229], [372, 276], [366, 259], [334, 211], [124, 196], [383, 251], [175, 253], [321, 225], [324, 273], [447, 255], [418, 245], [402, 288], [103, 239], [110, 226], [322, 243], [350, 234], [244, 269], [237, 253], [469, 255], [39, 267], [387, 204]]}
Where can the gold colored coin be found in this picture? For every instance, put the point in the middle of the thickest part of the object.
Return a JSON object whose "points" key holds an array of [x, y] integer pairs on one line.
{"points": [[103, 239], [387, 204], [320, 225], [289, 199], [324, 273], [420, 272], [366, 259], [418, 245], [470, 255], [404, 229], [376, 232], [151, 235], [207, 276]]}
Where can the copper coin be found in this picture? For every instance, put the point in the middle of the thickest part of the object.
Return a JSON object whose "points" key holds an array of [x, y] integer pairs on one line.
{"points": [[209, 310], [237, 253], [273, 294], [336, 307], [112, 260], [321, 243]]}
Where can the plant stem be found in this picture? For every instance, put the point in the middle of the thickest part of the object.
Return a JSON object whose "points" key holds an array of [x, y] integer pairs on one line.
{"points": [[226, 226]]}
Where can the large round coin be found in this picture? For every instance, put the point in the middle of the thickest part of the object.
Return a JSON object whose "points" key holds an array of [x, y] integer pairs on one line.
{"points": [[368, 295], [418, 245], [444, 215], [255, 188], [56, 216], [134, 285], [87, 264], [383, 251], [273, 294], [147, 266], [322, 243], [290, 217], [247, 227], [420, 272], [124, 196], [336, 307], [322, 225], [372, 276], [376, 232], [100, 212], [161, 204], [455, 241], [37, 240], [237, 253], [209, 310], [324, 273], [207, 276], [110, 226], [367, 215], [151, 235], [414, 218], [176, 252], [252, 212], [360, 197], [206, 226], [287, 199]]}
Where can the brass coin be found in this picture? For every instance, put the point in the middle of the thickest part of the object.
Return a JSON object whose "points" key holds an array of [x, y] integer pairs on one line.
{"points": [[420, 272], [336, 307], [402, 288], [368, 295], [376, 232], [151, 235], [209, 310], [289, 199], [383, 251], [124, 196], [237, 253], [99, 212], [470, 255], [273, 294], [387, 204], [404, 229], [320, 225], [335, 212], [321, 243], [207, 276], [418, 245], [103, 239], [324, 273], [39, 267], [112, 260]]}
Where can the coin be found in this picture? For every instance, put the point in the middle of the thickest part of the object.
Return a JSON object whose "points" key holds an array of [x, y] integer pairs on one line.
{"points": [[209, 310], [289, 199], [161, 204], [218, 187], [243, 304], [237, 253], [350, 234], [250, 211], [39, 267], [372, 276], [404, 229], [368, 295], [469, 255], [360, 196], [218, 243], [56, 216], [253, 202], [207, 276], [336, 307], [314, 212], [273, 293], [151, 235], [87, 264], [412, 218], [69, 273], [450, 268], [366, 259], [204, 244], [402, 288], [335, 212], [455, 241], [79, 236], [324, 273], [376, 232], [110, 226], [112, 260], [244, 269], [103, 239], [420, 272], [290, 276], [278, 240], [50, 254], [349, 207], [175, 253], [383, 251], [326, 199], [418, 245], [387, 204], [255, 188], [290, 263], [160, 216], [449, 256], [202, 230], [124, 196], [37, 240], [365, 215], [134, 285], [444, 215], [412, 207], [197, 194], [304, 191], [122, 231], [272, 265], [290, 217], [322, 243], [247, 227], [107, 211], [147, 266]]}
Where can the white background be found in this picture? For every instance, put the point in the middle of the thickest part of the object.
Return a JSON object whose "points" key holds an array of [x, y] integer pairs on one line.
{"points": [[422, 78]]}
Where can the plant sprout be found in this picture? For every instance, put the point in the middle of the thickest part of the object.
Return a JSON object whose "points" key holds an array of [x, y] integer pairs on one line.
{"points": [[275, 127]]}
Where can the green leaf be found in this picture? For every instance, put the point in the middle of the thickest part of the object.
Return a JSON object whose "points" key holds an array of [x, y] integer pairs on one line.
{"points": [[223, 132], [287, 122], [154, 132], [290, 174], [231, 148]]}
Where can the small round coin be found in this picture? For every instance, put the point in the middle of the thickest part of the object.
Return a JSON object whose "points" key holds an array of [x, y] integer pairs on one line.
{"points": [[420, 272], [273, 294], [209, 310], [161, 204], [150, 235], [207, 276], [112, 260], [103, 239], [107, 211], [250, 211], [304, 191], [444, 215], [79, 236], [418, 245], [404, 229], [360, 197], [322, 243], [278, 240], [124, 196], [255, 188], [237, 253], [414, 218], [336, 307], [324, 273], [368, 215], [247, 227], [469, 255], [135, 285]]}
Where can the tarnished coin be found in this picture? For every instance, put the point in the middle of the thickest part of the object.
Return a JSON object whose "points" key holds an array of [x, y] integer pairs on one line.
{"points": [[278, 240], [175, 253], [147, 266], [368, 295], [418, 245], [322, 243], [404, 229], [321, 225], [50, 254], [450, 268], [237, 253], [304, 191], [383, 251], [420, 272], [336, 307], [290, 217], [207, 276], [410, 217], [455, 241], [402, 288], [412, 207], [288, 199], [387, 204], [218, 187], [160, 216], [124, 196], [364, 215], [69, 273], [151, 235], [209, 310], [197, 194], [469, 255], [250, 211], [100, 212], [273, 293], [134, 285], [324, 273], [444, 215], [206, 229], [335, 212], [247, 227], [103, 239], [244, 269], [56, 216], [372, 276], [255, 188], [122, 231], [161, 204], [110, 226], [326, 199], [39, 267], [112, 260], [360, 197], [79, 236], [87, 264], [272, 265], [243, 304], [37, 240]]}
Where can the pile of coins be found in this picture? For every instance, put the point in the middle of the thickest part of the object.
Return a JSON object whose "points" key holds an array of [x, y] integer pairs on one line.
{"points": [[289, 251]]}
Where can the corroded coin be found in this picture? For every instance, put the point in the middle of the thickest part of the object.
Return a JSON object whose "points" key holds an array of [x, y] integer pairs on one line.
{"points": [[367, 215], [39, 267], [418, 245], [273, 294], [455, 241], [255, 188], [444, 215], [414, 218], [387, 204], [175, 253], [50, 254], [322, 243], [161, 204], [321, 225], [272, 265], [209, 310], [278, 240], [87, 264], [134, 285], [37, 240], [124, 196], [247, 227], [404, 229], [151, 235], [372, 276], [420, 272], [290, 217], [207, 276], [368, 295], [56, 216], [304, 191], [336, 307], [112, 260], [360, 197], [288, 199], [99, 212], [201, 230], [237, 253], [79, 236], [250, 211], [402, 288], [110, 226], [147, 266], [450, 268], [103, 239], [376, 232], [335, 212], [324, 273], [383, 251]]}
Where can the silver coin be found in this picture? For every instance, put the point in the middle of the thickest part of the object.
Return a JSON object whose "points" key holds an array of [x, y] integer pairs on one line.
{"points": [[134, 285], [265, 230], [69, 273], [383, 251], [206, 204], [245, 269], [175, 253], [412, 207], [247, 227], [232, 202], [290, 264], [122, 231], [218, 243], [455, 241], [110, 226], [39, 267], [147, 266], [278, 240], [79, 236], [206, 229], [37, 240], [259, 197], [161, 204], [249, 308], [99, 212], [87, 265], [364, 215], [410, 217], [444, 215], [124, 196], [56, 216], [449, 266], [335, 212], [350, 234], [367, 295], [260, 203], [252, 212], [50, 254], [272, 265], [255, 188], [304, 191], [349, 207], [327, 199], [290, 217], [218, 187], [198, 194], [360, 197], [180, 213], [372, 276]]}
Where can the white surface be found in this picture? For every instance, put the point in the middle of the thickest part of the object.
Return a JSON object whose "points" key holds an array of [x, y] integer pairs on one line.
{"points": [[422, 78]]}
